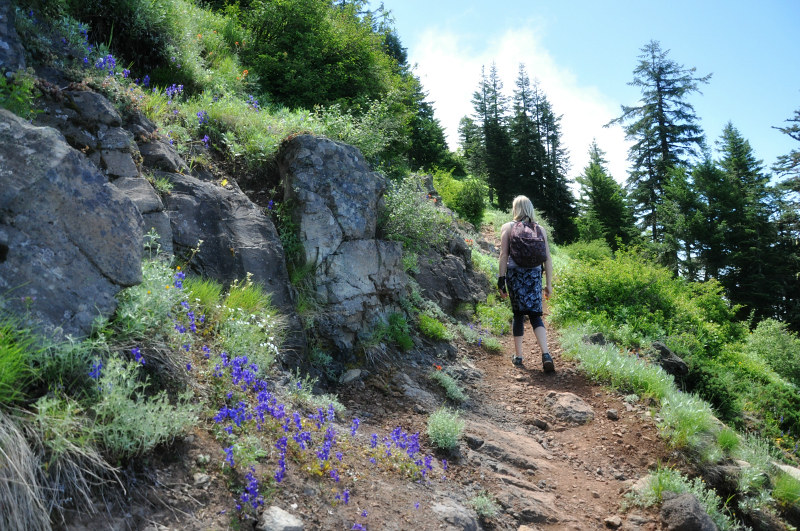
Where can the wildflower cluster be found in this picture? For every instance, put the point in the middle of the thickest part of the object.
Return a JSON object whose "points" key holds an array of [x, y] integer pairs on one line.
{"points": [[172, 92]]}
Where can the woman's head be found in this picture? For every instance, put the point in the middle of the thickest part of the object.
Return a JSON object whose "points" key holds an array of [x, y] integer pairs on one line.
{"points": [[521, 208]]}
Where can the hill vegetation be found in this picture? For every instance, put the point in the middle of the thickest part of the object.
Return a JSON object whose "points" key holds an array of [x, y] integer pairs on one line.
{"points": [[699, 252]]}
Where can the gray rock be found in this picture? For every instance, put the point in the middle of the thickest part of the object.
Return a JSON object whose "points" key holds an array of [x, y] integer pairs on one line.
{"points": [[350, 376], [162, 156], [684, 513], [237, 237], [448, 281], [337, 193], [569, 408], [12, 54], [357, 279], [595, 339], [69, 239], [93, 109], [276, 519], [670, 362], [141, 193], [116, 138], [118, 164], [159, 221], [613, 522], [456, 515], [612, 414]]}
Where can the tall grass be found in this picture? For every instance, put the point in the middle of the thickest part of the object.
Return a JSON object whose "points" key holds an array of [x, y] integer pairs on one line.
{"points": [[16, 345]]}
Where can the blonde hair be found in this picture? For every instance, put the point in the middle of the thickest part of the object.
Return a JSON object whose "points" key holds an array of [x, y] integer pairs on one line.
{"points": [[521, 208]]}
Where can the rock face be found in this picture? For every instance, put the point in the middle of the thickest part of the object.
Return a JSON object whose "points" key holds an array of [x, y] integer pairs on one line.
{"points": [[12, 55], [69, 241], [237, 237], [337, 201]]}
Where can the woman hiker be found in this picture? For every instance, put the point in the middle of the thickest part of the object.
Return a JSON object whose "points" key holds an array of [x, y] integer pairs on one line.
{"points": [[523, 251]]}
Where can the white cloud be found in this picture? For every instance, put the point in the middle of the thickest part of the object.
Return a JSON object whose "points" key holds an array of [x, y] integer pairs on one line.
{"points": [[449, 66]]}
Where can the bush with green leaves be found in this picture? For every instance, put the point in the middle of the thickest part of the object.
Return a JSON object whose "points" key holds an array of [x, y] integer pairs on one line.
{"points": [[495, 314], [485, 505], [466, 197], [592, 251], [449, 384], [249, 324], [412, 218], [128, 421], [445, 428], [433, 328], [17, 94], [774, 343]]}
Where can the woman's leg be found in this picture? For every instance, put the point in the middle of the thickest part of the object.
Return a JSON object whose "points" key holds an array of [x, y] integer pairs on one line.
{"points": [[518, 329], [541, 337]]}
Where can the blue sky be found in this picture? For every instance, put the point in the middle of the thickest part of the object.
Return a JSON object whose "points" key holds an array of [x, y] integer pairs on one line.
{"points": [[583, 54]]}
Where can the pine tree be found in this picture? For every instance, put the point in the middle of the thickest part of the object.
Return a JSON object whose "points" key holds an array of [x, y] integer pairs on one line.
{"points": [[603, 203], [528, 152], [749, 237], [663, 128], [497, 140], [787, 207]]}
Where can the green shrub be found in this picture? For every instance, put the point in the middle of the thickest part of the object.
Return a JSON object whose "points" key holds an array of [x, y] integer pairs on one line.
{"points": [[593, 251], [433, 328], [470, 201], [486, 264], [445, 428], [485, 505], [495, 315], [491, 344], [17, 94], [772, 342], [449, 384], [61, 366], [411, 218], [399, 332], [128, 422], [728, 440], [787, 491]]}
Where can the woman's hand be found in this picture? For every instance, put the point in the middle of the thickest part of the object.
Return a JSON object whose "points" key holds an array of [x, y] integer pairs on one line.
{"points": [[547, 291]]}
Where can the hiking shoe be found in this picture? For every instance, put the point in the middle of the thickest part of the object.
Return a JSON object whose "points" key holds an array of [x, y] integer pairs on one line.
{"points": [[516, 360], [547, 362]]}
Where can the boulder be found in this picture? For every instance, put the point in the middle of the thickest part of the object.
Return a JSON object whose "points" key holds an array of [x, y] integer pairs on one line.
{"points": [[358, 278], [237, 238], [276, 519], [162, 156], [12, 54], [338, 196], [93, 109], [455, 516], [684, 513], [448, 281], [670, 362], [69, 239], [569, 408]]}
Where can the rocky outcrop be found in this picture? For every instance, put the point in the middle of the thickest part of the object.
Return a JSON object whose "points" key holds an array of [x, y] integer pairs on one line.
{"points": [[69, 241], [12, 55], [337, 200], [669, 361], [237, 238]]}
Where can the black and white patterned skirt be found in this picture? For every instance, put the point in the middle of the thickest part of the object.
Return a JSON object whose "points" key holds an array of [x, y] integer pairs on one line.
{"points": [[525, 288]]}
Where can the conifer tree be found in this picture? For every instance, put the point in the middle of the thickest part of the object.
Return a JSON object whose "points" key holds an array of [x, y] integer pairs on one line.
{"points": [[528, 152], [787, 207], [604, 210], [749, 236], [663, 128]]}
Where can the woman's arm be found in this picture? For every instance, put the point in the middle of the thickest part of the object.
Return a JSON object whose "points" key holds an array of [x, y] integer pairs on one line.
{"points": [[548, 267], [503, 250]]}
